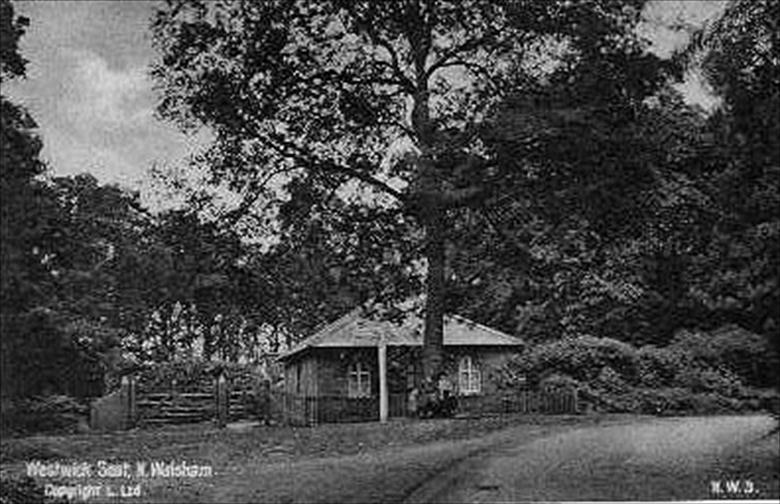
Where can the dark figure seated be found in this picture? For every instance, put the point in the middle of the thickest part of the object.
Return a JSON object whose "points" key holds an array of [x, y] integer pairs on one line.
{"points": [[443, 406]]}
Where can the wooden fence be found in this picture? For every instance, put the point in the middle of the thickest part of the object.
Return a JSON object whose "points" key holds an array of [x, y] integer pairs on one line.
{"points": [[311, 410], [175, 408], [211, 400], [128, 407], [548, 401]]}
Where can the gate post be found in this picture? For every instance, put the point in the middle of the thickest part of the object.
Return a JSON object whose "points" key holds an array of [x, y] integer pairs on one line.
{"points": [[575, 400], [222, 400], [132, 404], [383, 394], [262, 392], [127, 401]]}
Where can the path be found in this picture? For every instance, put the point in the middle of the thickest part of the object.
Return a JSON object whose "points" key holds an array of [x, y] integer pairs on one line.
{"points": [[660, 459], [645, 459]]}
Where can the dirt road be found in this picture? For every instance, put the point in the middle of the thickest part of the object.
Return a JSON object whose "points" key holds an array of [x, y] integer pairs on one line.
{"points": [[648, 459], [662, 459]]}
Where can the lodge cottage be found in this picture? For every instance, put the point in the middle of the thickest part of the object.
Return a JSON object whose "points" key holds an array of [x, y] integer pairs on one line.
{"points": [[361, 367]]}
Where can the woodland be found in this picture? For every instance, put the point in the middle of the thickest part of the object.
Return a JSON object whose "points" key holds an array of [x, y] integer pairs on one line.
{"points": [[528, 165]]}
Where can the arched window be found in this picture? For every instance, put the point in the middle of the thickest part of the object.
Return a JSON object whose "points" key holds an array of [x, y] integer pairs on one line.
{"points": [[469, 379], [359, 380]]}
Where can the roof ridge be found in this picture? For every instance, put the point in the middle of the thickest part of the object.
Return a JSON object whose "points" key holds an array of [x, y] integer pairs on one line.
{"points": [[331, 332], [349, 315], [482, 326], [341, 321]]}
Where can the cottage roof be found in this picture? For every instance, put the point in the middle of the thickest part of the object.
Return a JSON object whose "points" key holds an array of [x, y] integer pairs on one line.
{"points": [[358, 330]]}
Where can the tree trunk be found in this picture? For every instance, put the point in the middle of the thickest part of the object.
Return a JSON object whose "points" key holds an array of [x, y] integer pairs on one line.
{"points": [[434, 305]]}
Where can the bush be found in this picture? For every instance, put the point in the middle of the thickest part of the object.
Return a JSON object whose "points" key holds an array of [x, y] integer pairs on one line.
{"points": [[764, 399], [711, 403], [581, 358], [720, 381], [669, 400], [190, 374], [659, 367], [611, 381], [43, 414], [559, 381], [698, 373], [742, 352]]}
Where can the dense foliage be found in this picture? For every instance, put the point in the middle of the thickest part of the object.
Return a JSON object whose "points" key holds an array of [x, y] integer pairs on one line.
{"points": [[193, 375], [689, 375], [533, 168], [402, 108], [57, 414], [680, 233]]}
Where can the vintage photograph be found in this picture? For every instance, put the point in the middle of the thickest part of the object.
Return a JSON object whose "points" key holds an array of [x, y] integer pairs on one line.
{"points": [[369, 251]]}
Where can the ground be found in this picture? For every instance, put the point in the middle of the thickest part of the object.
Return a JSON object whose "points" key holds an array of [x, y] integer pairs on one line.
{"points": [[509, 458]]}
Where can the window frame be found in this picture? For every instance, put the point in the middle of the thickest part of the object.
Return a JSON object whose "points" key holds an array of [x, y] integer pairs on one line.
{"points": [[469, 376], [358, 380]]}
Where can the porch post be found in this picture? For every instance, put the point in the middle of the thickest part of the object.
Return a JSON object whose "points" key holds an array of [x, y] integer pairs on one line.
{"points": [[383, 399]]}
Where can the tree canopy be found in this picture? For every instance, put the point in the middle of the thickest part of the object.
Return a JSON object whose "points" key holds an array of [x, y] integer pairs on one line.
{"points": [[529, 165], [401, 100]]}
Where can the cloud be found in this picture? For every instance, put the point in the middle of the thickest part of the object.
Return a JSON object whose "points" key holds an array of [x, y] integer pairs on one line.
{"points": [[668, 24], [70, 155], [697, 91], [88, 89], [99, 96]]}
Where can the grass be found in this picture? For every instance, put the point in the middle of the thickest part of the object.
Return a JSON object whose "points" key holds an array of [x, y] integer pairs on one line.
{"points": [[232, 451], [204, 441], [757, 462], [356, 462]]}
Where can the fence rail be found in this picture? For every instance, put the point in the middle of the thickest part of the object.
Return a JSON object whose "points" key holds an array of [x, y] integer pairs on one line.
{"points": [[222, 404], [310, 410], [547, 401]]}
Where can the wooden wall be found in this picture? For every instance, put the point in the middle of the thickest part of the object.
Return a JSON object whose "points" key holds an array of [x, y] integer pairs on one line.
{"points": [[322, 378], [300, 376], [333, 368], [325, 371], [489, 359]]}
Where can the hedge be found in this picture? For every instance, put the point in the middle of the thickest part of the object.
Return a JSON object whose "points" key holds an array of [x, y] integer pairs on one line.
{"points": [[697, 372]]}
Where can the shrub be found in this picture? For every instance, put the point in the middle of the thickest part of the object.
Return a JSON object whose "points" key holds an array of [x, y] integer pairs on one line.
{"points": [[556, 380], [721, 381], [669, 400], [659, 367], [697, 373], [43, 414], [609, 380], [582, 358], [765, 399], [608, 401], [711, 402], [747, 354], [190, 374]]}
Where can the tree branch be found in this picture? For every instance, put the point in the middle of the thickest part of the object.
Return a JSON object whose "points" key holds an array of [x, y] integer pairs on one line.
{"points": [[446, 59], [252, 194], [526, 255], [289, 149], [364, 24]]}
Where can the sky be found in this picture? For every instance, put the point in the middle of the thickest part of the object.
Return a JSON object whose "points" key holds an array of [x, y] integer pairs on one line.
{"points": [[88, 86], [88, 89]]}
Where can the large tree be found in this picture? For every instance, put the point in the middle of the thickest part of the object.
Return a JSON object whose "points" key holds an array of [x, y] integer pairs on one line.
{"points": [[27, 216], [739, 54], [696, 248], [327, 94]]}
